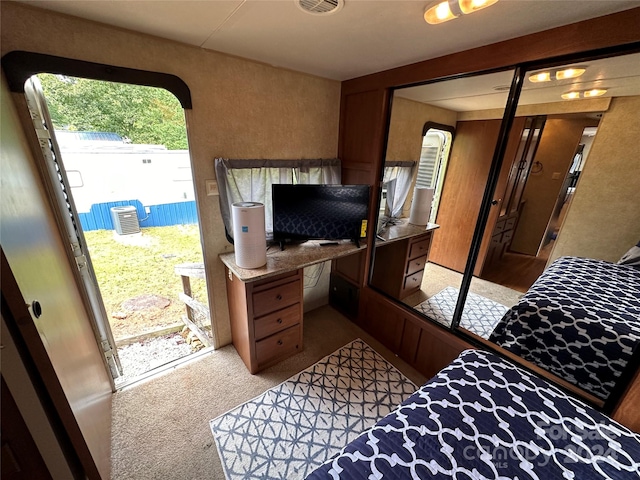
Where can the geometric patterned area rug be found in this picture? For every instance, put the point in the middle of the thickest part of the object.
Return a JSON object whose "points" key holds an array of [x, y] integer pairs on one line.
{"points": [[293, 428], [480, 315]]}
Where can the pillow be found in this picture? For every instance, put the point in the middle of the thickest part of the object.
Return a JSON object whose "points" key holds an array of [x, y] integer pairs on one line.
{"points": [[632, 257]]}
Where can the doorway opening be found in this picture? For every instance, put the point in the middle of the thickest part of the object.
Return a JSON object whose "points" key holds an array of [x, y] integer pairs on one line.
{"points": [[434, 156], [122, 162], [548, 179]]}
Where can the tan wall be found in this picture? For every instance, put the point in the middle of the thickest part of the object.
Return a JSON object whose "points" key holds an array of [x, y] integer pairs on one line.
{"points": [[554, 108], [558, 144], [405, 130], [603, 220], [241, 109]]}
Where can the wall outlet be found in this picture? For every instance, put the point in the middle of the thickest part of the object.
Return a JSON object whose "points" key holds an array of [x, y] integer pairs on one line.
{"points": [[212, 187]]}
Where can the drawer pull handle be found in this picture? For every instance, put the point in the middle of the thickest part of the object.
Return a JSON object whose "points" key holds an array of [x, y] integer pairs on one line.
{"points": [[279, 320], [279, 342], [278, 297]]}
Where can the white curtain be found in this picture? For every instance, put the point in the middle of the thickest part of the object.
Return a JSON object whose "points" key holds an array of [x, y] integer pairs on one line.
{"points": [[251, 181], [398, 177]]}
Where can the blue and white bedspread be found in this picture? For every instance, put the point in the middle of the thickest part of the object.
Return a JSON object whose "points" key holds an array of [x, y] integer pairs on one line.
{"points": [[484, 418], [580, 320]]}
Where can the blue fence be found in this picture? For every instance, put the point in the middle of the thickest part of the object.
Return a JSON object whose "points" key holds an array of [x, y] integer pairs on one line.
{"points": [[181, 213]]}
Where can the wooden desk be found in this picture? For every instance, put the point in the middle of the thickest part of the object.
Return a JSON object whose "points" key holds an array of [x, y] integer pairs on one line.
{"points": [[402, 251], [265, 304]]}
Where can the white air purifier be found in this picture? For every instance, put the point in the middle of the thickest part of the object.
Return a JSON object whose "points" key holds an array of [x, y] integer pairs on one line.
{"points": [[249, 238], [421, 206]]}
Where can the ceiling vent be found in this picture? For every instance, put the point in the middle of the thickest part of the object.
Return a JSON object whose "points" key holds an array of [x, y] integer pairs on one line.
{"points": [[320, 7]]}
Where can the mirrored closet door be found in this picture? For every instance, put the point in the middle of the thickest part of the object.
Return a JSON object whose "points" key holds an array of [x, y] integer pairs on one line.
{"points": [[559, 193]]}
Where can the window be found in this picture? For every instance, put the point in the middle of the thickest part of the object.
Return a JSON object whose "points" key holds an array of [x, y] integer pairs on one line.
{"points": [[251, 180]]}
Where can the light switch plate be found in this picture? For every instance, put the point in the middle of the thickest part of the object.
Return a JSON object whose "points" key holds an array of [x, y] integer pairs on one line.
{"points": [[212, 187], [555, 176]]}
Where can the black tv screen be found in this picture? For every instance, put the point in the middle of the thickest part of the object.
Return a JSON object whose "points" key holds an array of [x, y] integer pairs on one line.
{"points": [[331, 212]]}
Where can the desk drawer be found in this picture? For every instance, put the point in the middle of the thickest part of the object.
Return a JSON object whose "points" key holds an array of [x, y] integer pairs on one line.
{"points": [[276, 298], [279, 345], [412, 282], [420, 247], [276, 321], [416, 264]]}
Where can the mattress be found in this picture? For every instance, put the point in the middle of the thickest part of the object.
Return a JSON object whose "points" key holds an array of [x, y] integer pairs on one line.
{"points": [[482, 417], [580, 320]]}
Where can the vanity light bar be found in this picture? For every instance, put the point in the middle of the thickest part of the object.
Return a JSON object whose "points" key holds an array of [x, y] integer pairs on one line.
{"points": [[558, 74], [594, 92]]}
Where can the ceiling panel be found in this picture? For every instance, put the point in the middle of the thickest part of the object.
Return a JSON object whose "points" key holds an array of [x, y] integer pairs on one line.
{"points": [[365, 36], [185, 21]]}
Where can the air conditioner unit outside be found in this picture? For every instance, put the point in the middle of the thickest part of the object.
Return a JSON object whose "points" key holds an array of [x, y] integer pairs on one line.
{"points": [[125, 220]]}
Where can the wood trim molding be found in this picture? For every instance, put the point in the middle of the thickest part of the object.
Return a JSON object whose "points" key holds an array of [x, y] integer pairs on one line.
{"points": [[627, 411], [19, 66]]}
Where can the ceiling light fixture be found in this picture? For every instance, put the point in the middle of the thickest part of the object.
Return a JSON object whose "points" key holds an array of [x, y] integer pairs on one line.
{"points": [[557, 74], [594, 92], [446, 10], [569, 73], [540, 77]]}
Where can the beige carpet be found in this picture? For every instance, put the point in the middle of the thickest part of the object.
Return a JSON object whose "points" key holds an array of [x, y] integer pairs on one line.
{"points": [[437, 278], [161, 427]]}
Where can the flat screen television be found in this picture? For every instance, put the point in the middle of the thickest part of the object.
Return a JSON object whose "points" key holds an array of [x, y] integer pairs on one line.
{"points": [[329, 212]]}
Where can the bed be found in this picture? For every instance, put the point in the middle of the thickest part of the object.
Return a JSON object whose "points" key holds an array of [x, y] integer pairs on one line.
{"points": [[483, 417], [580, 320]]}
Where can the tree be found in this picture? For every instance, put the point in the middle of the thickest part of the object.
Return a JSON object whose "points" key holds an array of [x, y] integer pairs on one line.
{"points": [[142, 114]]}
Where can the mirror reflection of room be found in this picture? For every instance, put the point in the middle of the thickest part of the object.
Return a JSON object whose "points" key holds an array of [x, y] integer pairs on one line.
{"points": [[562, 230], [542, 212], [436, 140]]}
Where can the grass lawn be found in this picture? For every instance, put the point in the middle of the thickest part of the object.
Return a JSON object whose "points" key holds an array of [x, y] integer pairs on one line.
{"points": [[143, 264]]}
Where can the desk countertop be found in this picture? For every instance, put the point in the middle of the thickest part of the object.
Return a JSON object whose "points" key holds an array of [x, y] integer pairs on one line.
{"points": [[403, 229], [291, 258]]}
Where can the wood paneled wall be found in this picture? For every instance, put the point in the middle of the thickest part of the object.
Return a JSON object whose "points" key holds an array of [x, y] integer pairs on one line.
{"points": [[423, 345], [363, 117]]}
